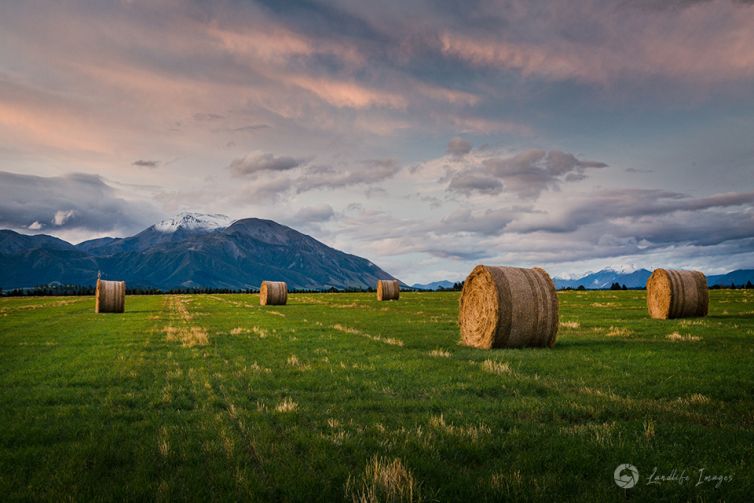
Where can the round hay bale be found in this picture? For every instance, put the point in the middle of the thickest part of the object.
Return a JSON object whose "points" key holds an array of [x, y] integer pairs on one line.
{"points": [[508, 307], [388, 289], [273, 293], [110, 296], [677, 294]]}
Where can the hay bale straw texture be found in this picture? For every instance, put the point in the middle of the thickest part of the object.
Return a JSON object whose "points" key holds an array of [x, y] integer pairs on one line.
{"points": [[508, 307], [677, 294], [273, 293], [388, 289], [110, 296]]}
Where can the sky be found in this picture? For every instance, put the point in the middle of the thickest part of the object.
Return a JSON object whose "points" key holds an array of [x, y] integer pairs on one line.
{"points": [[425, 136]]}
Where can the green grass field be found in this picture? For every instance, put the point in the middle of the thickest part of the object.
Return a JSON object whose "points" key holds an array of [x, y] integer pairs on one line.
{"points": [[339, 397]]}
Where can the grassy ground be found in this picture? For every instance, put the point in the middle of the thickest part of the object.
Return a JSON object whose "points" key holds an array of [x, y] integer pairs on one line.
{"points": [[337, 396]]}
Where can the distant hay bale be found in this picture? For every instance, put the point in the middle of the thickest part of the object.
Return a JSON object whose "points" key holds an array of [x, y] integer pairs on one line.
{"points": [[273, 293], [388, 289], [677, 294], [110, 296], [508, 307]]}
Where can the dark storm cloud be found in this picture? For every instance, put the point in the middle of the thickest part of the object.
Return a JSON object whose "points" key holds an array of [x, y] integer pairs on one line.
{"points": [[74, 201]]}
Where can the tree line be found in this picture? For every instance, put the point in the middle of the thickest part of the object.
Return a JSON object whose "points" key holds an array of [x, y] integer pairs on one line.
{"points": [[79, 290]]}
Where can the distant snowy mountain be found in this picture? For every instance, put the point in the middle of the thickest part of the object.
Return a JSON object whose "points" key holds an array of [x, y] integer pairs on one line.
{"points": [[638, 278], [193, 222], [629, 276], [435, 285]]}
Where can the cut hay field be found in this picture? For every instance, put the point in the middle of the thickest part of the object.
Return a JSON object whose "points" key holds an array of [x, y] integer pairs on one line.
{"points": [[338, 397]]}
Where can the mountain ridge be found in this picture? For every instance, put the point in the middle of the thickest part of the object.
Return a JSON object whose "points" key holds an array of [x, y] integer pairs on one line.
{"points": [[237, 256], [604, 278]]}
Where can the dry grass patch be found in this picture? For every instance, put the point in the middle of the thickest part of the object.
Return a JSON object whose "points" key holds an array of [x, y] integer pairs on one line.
{"points": [[352, 305], [259, 332], [694, 399], [386, 340], [602, 304], [257, 368], [440, 353], [163, 442], [499, 481], [472, 432], [570, 324], [649, 429], [618, 332], [692, 323], [676, 337], [286, 405], [187, 336], [602, 433], [238, 331], [383, 481], [495, 367]]}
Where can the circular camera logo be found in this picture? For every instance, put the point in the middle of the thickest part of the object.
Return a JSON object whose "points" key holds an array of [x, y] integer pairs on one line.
{"points": [[626, 476]]}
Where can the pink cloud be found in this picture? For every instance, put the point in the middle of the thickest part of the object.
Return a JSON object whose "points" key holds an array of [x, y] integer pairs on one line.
{"points": [[345, 94], [702, 43]]}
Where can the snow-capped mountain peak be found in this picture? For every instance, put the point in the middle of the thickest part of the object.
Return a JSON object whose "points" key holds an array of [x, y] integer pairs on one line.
{"points": [[193, 222], [623, 268]]}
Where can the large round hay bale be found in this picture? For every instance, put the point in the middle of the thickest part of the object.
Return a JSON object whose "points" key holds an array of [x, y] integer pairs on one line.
{"points": [[110, 296], [388, 289], [273, 293], [508, 307], [677, 294]]}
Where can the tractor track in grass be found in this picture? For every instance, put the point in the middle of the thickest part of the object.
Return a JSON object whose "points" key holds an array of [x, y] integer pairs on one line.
{"points": [[181, 327]]}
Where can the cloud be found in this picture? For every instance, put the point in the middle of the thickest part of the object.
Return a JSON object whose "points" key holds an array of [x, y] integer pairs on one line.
{"points": [[306, 177], [527, 174], [470, 182], [313, 215], [349, 94], [207, 117], [248, 129], [458, 147], [61, 217], [489, 222], [695, 42], [365, 173], [74, 201], [254, 164], [146, 164], [641, 207]]}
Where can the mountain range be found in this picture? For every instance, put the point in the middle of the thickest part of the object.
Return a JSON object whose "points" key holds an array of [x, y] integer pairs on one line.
{"points": [[194, 250], [632, 279], [189, 251], [435, 285], [638, 279]]}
